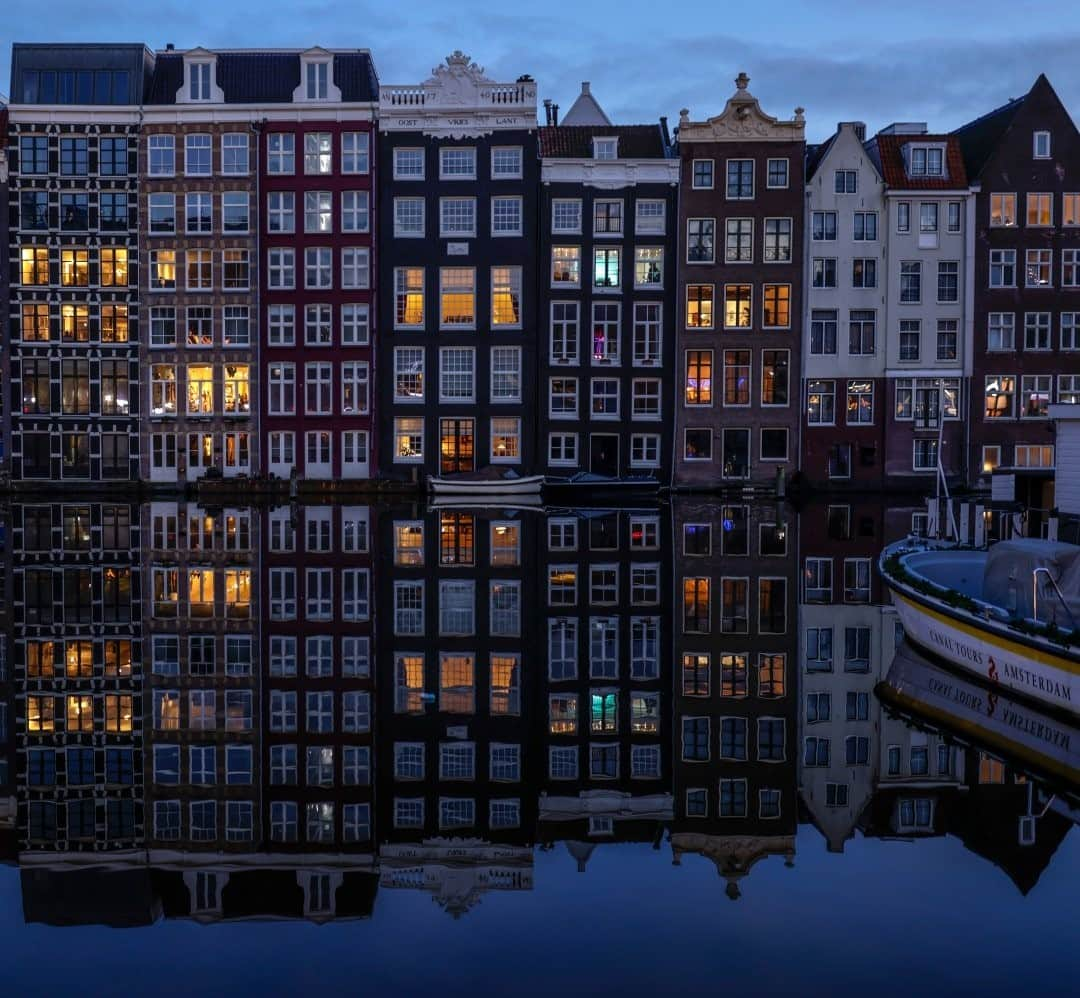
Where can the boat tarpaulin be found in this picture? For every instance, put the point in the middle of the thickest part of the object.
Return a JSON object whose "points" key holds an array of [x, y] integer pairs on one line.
{"points": [[1008, 580]]}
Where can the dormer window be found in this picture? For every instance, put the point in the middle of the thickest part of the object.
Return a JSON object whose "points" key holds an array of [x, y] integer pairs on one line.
{"points": [[318, 73], [1041, 145], [199, 81], [605, 148], [926, 161]]}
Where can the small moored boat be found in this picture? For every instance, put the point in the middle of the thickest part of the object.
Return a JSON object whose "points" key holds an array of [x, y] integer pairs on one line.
{"points": [[1008, 615], [488, 482]]}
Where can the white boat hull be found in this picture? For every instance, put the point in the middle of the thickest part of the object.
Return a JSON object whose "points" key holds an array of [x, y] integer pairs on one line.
{"points": [[1000, 723], [1048, 676], [529, 485]]}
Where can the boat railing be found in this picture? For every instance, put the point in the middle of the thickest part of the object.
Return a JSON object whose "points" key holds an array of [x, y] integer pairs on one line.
{"points": [[1043, 570]]}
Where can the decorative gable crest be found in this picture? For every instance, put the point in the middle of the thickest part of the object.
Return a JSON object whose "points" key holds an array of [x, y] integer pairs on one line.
{"points": [[458, 82], [741, 119]]}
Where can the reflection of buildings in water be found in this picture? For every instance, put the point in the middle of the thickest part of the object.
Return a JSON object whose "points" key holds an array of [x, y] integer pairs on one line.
{"points": [[200, 608], [849, 748], [735, 697], [865, 766], [77, 668], [734, 855], [605, 690], [456, 872], [8, 756], [456, 647]]}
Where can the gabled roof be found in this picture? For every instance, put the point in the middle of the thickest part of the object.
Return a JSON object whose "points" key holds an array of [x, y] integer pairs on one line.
{"points": [[980, 137], [586, 110], [816, 152], [265, 77], [886, 150], [575, 141]]}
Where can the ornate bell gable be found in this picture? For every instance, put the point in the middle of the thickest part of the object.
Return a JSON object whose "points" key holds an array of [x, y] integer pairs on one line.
{"points": [[742, 119]]}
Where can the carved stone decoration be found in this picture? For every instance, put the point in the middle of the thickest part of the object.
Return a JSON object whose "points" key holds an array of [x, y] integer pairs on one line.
{"points": [[742, 118], [456, 83]]}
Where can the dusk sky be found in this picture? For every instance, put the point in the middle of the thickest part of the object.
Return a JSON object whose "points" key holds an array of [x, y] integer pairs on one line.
{"points": [[922, 60]]}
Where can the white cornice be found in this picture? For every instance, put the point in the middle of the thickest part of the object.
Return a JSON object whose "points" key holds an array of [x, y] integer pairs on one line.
{"points": [[610, 174], [72, 114], [190, 113]]}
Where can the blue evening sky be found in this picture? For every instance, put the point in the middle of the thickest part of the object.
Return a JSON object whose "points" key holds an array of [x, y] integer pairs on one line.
{"points": [[921, 60]]}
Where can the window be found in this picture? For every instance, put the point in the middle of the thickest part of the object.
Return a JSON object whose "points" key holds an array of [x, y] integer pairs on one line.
{"points": [[506, 297], [865, 226], [1070, 268], [736, 377], [1040, 145], [777, 173], [355, 271], [953, 209], [1001, 331], [777, 240], [1070, 209], [605, 398], [74, 157], [924, 456], [1037, 330], [776, 306], [926, 161], [702, 174], [860, 402], [700, 240], [910, 282], [823, 225], [457, 163], [506, 162], [1035, 391], [318, 155], [823, 272], [1038, 268], [947, 339], [699, 306], [198, 155], [649, 267], [457, 297], [605, 148], [607, 217], [739, 240], [697, 444], [318, 267], [903, 216], [948, 281], [74, 267], [740, 179], [566, 215], [457, 217], [821, 403], [999, 393], [698, 388], [505, 440], [738, 302], [1002, 210], [1003, 268], [607, 272], [506, 216]]}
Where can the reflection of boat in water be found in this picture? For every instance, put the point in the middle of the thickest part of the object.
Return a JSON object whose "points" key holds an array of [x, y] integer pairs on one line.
{"points": [[1026, 736], [1007, 615]]}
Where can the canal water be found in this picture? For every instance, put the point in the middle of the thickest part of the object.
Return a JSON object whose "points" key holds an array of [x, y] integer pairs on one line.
{"points": [[646, 748]]}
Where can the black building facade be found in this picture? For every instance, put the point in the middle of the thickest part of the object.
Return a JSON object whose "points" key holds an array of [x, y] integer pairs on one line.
{"points": [[72, 208], [456, 262], [606, 350]]}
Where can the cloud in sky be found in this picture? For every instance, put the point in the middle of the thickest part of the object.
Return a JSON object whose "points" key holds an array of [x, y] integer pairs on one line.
{"points": [[926, 61]]}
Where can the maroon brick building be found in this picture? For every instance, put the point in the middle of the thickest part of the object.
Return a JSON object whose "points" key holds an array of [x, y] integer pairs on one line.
{"points": [[1024, 156], [316, 178], [739, 284]]}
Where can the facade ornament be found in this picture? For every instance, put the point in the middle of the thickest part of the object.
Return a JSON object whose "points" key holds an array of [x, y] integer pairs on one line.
{"points": [[741, 81]]}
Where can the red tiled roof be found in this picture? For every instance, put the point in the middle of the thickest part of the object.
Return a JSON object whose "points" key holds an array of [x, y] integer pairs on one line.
{"points": [[575, 141], [891, 158]]}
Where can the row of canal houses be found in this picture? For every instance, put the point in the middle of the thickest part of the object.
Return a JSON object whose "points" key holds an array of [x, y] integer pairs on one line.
{"points": [[255, 263]]}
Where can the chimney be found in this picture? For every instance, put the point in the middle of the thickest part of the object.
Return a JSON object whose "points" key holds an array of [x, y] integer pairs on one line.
{"points": [[584, 88], [554, 114], [169, 47], [547, 110], [858, 127], [664, 131]]}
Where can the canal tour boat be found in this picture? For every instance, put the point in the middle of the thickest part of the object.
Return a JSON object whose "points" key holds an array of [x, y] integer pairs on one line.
{"points": [[1036, 741], [1007, 615]]}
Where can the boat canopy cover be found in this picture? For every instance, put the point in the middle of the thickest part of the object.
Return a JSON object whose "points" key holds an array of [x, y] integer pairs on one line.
{"points": [[1007, 579]]}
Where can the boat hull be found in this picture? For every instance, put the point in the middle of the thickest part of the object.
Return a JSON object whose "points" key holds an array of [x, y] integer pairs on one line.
{"points": [[1005, 725], [504, 487], [1038, 673]]}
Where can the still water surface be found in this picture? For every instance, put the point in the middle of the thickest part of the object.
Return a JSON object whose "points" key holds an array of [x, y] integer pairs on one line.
{"points": [[370, 747]]}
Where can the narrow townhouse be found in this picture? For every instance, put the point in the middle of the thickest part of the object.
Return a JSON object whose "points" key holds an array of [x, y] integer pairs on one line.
{"points": [[740, 282], [927, 230], [317, 235], [457, 265], [843, 374], [608, 241], [1022, 159], [73, 274]]}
